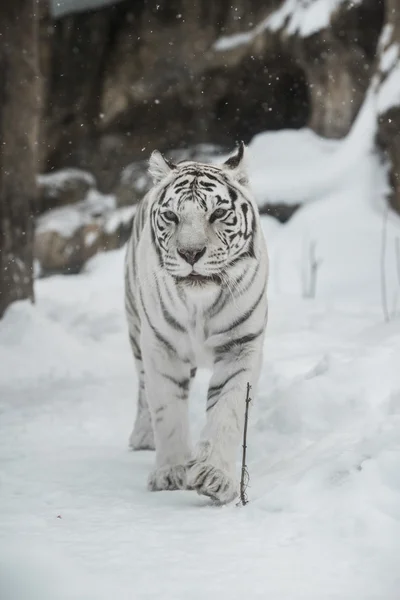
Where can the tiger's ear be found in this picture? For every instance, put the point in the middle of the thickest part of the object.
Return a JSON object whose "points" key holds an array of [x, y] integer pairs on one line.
{"points": [[159, 166], [236, 165]]}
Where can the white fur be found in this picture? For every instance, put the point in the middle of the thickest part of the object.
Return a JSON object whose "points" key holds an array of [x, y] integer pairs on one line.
{"points": [[209, 468], [158, 167]]}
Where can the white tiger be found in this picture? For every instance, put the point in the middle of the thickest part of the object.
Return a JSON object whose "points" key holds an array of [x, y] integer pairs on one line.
{"points": [[196, 273]]}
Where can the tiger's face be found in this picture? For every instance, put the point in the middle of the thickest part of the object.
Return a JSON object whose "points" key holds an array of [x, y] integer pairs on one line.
{"points": [[202, 219]]}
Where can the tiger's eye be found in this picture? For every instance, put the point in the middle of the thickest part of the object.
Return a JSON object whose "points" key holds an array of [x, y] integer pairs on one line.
{"points": [[171, 216], [218, 214]]}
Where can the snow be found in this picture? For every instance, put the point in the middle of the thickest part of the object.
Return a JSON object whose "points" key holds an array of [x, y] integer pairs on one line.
{"points": [[228, 42], [323, 522], [389, 92], [386, 35], [314, 166], [60, 8], [61, 178], [389, 58], [302, 17], [66, 220], [305, 17], [121, 216]]}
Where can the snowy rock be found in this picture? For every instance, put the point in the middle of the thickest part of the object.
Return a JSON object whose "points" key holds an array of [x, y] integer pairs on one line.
{"points": [[67, 237], [59, 254], [332, 41], [66, 186], [60, 8]]}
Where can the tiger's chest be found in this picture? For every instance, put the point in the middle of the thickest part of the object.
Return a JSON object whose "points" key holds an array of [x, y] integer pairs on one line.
{"points": [[197, 332]]}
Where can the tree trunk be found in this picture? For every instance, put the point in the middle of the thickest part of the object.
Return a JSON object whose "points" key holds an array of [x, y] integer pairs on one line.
{"points": [[19, 109], [389, 97]]}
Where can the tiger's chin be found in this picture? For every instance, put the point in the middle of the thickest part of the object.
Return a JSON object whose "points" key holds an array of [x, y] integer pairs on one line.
{"points": [[196, 280]]}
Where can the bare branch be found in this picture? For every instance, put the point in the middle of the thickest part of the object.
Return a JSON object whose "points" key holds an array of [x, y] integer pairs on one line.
{"points": [[384, 299], [310, 279], [397, 256], [244, 479]]}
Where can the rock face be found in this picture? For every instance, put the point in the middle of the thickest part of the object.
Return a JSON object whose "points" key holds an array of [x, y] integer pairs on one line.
{"points": [[339, 61], [67, 237], [126, 78]]}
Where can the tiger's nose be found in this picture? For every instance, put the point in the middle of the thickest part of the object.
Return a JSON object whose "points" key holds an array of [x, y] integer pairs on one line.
{"points": [[191, 255]]}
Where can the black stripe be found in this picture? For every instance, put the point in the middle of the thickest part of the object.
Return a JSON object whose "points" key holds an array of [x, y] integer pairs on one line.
{"points": [[135, 348], [211, 176], [228, 346], [154, 240], [158, 335], [250, 283], [182, 384], [214, 390], [180, 184], [214, 308], [130, 303], [232, 194], [244, 316], [207, 186], [166, 288], [239, 280], [167, 315]]}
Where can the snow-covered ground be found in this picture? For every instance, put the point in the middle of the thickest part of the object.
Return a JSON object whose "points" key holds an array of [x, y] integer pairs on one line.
{"points": [[323, 522]]}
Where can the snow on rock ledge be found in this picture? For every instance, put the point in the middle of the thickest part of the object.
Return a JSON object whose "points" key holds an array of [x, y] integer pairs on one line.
{"points": [[66, 186], [67, 237], [65, 7], [302, 17]]}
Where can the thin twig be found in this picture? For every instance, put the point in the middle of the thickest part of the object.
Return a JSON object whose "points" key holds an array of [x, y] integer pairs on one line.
{"points": [[383, 267], [397, 255], [314, 265], [397, 269], [310, 278], [244, 479]]}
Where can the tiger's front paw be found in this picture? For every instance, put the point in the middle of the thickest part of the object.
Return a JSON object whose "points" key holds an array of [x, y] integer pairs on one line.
{"points": [[167, 478], [211, 481]]}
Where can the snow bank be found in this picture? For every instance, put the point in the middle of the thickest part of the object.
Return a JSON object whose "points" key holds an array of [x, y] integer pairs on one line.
{"points": [[324, 452], [298, 166], [305, 16], [60, 178], [67, 219], [302, 17]]}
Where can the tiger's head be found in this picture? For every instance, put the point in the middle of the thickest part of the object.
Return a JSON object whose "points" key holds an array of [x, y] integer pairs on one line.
{"points": [[203, 217]]}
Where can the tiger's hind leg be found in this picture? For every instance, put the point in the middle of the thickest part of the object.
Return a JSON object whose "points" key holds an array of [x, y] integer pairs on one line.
{"points": [[142, 436]]}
